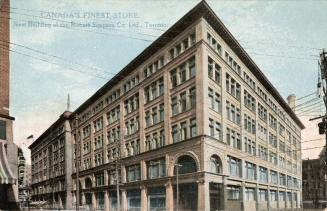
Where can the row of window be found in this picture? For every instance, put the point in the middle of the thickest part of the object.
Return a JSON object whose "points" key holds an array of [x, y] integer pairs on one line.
{"points": [[214, 71], [131, 104], [214, 44], [184, 130], [183, 101], [183, 72], [155, 115], [182, 46], [260, 173], [131, 83], [249, 101], [155, 140], [154, 67], [154, 90], [233, 113], [214, 100]]}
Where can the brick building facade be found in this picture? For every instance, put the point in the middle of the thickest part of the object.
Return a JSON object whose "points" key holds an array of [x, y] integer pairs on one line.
{"points": [[195, 103], [8, 161]]}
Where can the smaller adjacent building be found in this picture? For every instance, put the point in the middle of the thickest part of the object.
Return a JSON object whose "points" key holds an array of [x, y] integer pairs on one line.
{"points": [[314, 188], [51, 156], [24, 179]]}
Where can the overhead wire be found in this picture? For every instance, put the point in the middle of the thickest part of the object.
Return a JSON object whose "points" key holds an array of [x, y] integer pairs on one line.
{"points": [[60, 20], [59, 57], [54, 63]]}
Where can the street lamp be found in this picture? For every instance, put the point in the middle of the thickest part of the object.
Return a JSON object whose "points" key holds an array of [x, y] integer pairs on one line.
{"points": [[177, 166]]}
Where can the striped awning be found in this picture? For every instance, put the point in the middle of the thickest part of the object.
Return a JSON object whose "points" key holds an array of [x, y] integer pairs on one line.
{"points": [[6, 176]]}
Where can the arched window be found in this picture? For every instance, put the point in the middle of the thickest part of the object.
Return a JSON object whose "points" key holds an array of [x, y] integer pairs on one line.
{"points": [[215, 164], [186, 164], [88, 183]]}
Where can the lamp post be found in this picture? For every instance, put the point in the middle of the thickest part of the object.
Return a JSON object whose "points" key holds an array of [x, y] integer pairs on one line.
{"points": [[177, 166], [117, 185]]}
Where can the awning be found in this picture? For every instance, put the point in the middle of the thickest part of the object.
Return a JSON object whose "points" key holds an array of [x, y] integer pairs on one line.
{"points": [[6, 176]]}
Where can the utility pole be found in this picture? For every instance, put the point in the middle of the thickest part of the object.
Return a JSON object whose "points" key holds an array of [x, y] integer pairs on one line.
{"points": [[323, 72], [117, 185], [323, 124]]}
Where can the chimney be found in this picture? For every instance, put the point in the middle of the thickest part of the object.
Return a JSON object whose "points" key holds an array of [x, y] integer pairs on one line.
{"points": [[4, 57], [291, 101]]}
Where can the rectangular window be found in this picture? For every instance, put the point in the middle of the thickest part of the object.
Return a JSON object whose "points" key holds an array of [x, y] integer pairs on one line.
{"points": [[193, 97], [193, 130], [174, 106], [183, 131], [175, 134], [191, 67], [155, 115], [211, 128], [250, 170], [249, 194], [263, 195], [3, 131], [183, 101], [233, 192], [156, 168], [133, 173], [234, 165], [182, 73], [147, 119], [263, 173], [161, 112]]}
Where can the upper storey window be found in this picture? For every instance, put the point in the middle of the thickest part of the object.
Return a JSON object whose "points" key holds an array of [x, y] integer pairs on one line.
{"points": [[131, 104], [98, 124], [272, 122], [153, 67], [130, 84], [97, 107], [232, 63], [183, 72], [249, 101], [262, 94], [155, 90], [214, 44], [86, 131], [112, 97], [233, 87], [182, 46], [249, 80], [214, 71]]}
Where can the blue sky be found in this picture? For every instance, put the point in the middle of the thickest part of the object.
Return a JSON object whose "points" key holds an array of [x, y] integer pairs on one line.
{"points": [[270, 31]]}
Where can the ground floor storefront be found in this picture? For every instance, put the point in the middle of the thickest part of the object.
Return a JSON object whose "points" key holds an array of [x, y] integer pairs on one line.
{"points": [[194, 191]]}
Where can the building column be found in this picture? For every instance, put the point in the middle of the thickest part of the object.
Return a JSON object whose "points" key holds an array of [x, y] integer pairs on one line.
{"points": [[144, 201], [106, 178], [106, 200], [123, 205], [169, 196], [59, 201], [225, 194], [143, 170], [83, 199], [203, 195], [257, 197], [268, 198], [277, 192], [242, 196], [94, 201]]}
